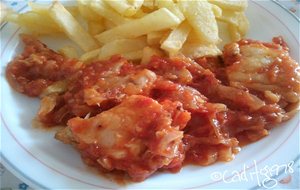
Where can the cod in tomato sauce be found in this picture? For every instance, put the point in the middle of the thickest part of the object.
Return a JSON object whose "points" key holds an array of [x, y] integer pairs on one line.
{"points": [[139, 119]]}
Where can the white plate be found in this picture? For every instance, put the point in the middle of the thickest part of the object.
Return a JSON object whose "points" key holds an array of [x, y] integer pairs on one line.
{"points": [[35, 157]]}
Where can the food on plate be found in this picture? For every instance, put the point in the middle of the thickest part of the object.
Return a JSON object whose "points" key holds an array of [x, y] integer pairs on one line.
{"points": [[202, 19], [69, 25], [231, 4], [192, 28], [124, 7], [164, 112], [271, 71], [122, 46], [68, 51], [162, 18], [175, 40], [139, 136], [151, 90]]}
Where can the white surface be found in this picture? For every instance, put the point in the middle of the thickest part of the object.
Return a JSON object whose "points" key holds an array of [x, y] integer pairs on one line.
{"points": [[35, 157]]}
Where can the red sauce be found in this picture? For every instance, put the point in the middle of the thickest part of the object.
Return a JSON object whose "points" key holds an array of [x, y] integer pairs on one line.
{"points": [[152, 117], [38, 67]]}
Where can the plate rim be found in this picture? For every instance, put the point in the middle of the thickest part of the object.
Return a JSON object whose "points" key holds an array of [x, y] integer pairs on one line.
{"points": [[33, 182]]}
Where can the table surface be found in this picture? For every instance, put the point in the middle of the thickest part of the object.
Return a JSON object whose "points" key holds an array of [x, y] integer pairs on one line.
{"points": [[9, 181]]}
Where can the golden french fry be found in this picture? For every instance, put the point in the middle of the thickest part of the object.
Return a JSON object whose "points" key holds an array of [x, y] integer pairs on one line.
{"points": [[217, 10], [148, 52], [122, 46], [139, 14], [234, 5], [90, 56], [237, 19], [134, 55], [243, 24], [193, 38], [34, 22], [137, 4], [150, 4], [73, 10], [234, 32], [43, 9], [154, 38], [169, 4], [224, 34], [71, 27], [230, 16], [195, 50], [95, 27], [155, 21], [39, 21], [69, 52], [201, 17], [38, 8], [108, 24], [176, 38], [101, 8], [86, 11], [123, 7]]}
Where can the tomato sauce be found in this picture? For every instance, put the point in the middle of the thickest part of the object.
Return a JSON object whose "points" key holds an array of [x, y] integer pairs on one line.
{"points": [[139, 119]]}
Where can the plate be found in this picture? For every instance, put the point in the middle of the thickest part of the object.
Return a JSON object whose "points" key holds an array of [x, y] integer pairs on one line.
{"points": [[37, 158]]}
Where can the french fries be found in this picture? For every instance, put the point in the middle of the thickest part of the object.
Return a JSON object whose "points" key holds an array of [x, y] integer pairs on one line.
{"points": [[201, 17], [68, 51], [101, 8], [238, 19], [71, 27], [35, 23], [90, 56], [234, 33], [217, 11], [38, 8], [176, 39], [154, 38], [125, 8], [43, 9], [233, 5], [238, 24], [122, 46], [148, 52], [149, 4], [243, 24], [134, 55], [225, 36], [138, 29], [95, 27], [136, 3], [169, 4], [155, 21], [86, 12]]}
